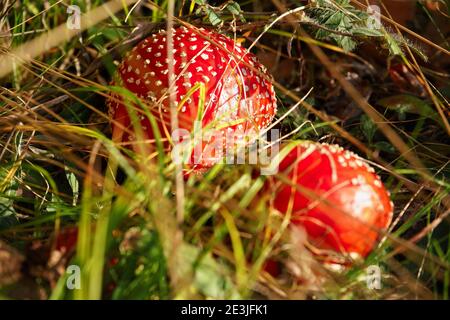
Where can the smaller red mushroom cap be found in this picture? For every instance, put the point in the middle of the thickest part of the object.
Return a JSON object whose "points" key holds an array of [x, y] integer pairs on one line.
{"points": [[239, 95], [336, 196], [272, 267]]}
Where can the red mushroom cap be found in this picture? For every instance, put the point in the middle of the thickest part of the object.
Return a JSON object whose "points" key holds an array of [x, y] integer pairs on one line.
{"points": [[66, 239], [336, 196], [239, 93], [272, 267]]}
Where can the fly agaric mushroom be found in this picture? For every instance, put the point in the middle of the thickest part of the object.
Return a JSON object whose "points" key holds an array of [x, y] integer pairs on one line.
{"points": [[238, 92], [336, 196]]}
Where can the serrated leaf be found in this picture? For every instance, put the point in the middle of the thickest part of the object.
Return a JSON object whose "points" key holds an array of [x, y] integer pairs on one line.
{"points": [[235, 9], [367, 32], [347, 43], [213, 17], [334, 20]]}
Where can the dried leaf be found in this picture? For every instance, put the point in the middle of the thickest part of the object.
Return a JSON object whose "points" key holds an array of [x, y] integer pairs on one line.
{"points": [[10, 264]]}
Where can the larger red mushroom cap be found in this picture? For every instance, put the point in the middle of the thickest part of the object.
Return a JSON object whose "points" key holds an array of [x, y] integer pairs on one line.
{"points": [[336, 196], [238, 91]]}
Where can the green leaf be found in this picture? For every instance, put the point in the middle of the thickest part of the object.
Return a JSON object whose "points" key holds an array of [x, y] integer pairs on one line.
{"points": [[74, 184], [367, 32], [385, 146], [213, 17], [210, 277], [393, 46], [368, 127], [9, 189], [235, 9], [404, 103], [332, 22], [347, 43], [141, 272]]}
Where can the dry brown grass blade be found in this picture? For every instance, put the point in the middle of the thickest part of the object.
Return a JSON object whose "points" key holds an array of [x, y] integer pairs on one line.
{"points": [[58, 35], [5, 32], [422, 233], [415, 286]]}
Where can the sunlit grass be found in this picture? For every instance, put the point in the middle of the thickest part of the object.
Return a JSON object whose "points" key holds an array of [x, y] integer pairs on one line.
{"points": [[61, 166]]}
